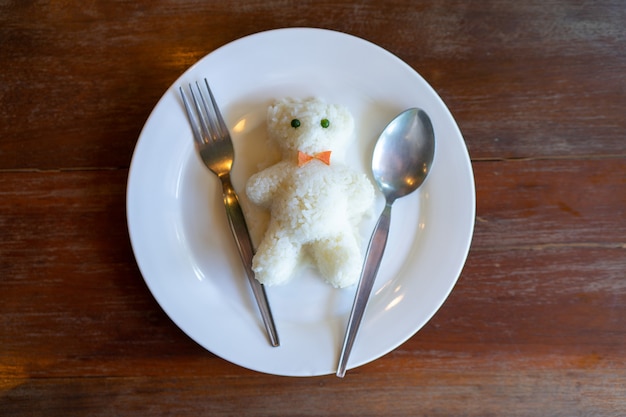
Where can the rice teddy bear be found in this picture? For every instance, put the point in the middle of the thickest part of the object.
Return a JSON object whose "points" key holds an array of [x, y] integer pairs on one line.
{"points": [[315, 202]]}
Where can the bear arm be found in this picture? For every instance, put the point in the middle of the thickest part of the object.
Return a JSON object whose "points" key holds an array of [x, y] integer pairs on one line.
{"points": [[262, 186], [361, 192]]}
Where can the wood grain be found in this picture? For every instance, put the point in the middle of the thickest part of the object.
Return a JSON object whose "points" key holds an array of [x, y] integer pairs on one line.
{"points": [[535, 325], [525, 80]]}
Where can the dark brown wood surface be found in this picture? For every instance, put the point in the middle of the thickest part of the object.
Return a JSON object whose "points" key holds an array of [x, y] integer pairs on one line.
{"points": [[536, 325]]}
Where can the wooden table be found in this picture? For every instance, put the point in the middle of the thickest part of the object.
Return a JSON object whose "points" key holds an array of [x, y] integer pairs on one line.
{"points": [[536, 325]]}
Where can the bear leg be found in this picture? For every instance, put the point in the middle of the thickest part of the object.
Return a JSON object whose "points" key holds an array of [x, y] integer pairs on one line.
{"points": [[338, 259], [275, 259]]}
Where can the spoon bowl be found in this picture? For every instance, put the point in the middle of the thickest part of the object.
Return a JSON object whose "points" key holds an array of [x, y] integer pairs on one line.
{"points": [[402, 159], [403, 154]]}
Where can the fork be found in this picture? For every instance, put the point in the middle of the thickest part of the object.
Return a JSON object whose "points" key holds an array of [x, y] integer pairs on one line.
{"points": [[215, 147]]}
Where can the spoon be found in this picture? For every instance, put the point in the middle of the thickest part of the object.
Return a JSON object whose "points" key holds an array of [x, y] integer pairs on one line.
{"points": [[402, 159]]}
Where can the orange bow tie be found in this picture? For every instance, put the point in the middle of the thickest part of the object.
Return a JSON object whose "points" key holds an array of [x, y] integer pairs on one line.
{"points": [[305, 158]]}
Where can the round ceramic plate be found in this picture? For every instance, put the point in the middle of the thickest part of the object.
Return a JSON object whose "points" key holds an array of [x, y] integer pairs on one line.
{"points": [[180, 234]]}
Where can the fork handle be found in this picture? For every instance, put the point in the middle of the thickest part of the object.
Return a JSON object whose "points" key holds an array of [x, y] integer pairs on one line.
{"points": [[239, 228]]}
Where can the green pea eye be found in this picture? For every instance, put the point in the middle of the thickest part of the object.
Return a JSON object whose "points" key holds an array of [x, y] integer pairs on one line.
{"points": [[325, 123], [295, 123]]}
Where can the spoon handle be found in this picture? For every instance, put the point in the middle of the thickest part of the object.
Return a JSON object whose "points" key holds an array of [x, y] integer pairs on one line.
{"points": [[373, 257]]}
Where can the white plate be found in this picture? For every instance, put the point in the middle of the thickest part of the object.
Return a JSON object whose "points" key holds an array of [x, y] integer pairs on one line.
{"points": [[180, 234]]}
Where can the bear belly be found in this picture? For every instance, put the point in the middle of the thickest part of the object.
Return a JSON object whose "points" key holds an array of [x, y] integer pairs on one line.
{"points": [[313, 204]]}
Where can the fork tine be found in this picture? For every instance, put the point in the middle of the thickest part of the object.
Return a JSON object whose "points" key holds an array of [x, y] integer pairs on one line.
{"points": [[210, 111], [204, 116], [221, 125], [192, 116]]}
